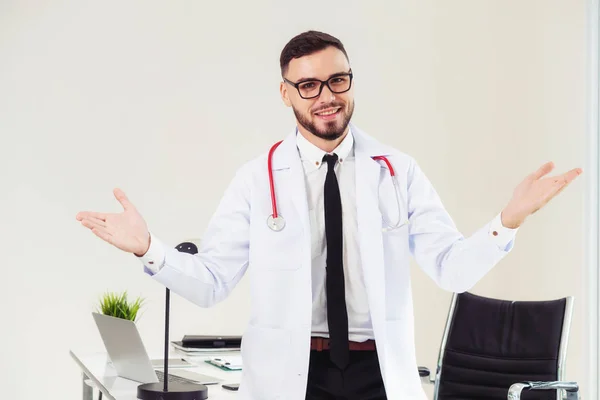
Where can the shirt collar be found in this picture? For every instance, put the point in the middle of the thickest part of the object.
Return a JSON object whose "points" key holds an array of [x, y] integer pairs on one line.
{"points": [[314, 155]]}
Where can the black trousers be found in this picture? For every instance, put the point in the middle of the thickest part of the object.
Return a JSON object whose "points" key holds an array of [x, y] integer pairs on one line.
{"points": [[361, 380]]}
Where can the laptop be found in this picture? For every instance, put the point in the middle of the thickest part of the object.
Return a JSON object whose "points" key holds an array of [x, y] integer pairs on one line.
{"points": [[129, 357]]}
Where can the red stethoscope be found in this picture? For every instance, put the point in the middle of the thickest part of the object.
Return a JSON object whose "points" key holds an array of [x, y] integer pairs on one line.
{"points": [[276, 222]]}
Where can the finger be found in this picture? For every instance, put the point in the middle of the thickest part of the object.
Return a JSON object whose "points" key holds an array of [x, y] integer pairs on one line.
{"points": [[87, 214], [557, 189], [91, 224], [98, 221], [102, 234], [566, 178], [561, 189], [571, 175], [122, 198], [98, 230], [543, 170], [559, 184]]}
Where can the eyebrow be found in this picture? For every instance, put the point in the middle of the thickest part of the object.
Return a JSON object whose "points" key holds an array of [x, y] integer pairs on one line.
{"points": [[330, 76]]}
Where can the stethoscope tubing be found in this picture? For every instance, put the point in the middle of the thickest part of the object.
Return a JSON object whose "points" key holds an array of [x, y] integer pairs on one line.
{"points": [[277, 222], [271, 184]]}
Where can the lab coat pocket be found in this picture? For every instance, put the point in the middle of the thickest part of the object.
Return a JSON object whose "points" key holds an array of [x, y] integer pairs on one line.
{"points": [[265, 358], [392, 206], [394, 216], [394, 233], [395, 242]]}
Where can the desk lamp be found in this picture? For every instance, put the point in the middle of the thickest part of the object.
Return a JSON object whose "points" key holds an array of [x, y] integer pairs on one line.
{"points": [[172, 390]]}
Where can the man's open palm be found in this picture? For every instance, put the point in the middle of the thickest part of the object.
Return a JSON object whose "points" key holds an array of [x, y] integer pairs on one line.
{"points": [[126, 230], [534, 192]]}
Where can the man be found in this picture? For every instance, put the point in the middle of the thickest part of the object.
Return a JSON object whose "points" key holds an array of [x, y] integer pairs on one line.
{"points": [[331, 314]]}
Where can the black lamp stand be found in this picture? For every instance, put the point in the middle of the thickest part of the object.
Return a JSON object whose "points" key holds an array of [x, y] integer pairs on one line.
{"points": [[172, 390]]}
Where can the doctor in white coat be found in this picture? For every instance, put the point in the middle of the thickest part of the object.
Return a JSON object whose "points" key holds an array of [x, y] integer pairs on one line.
{"points": [[332, 311]]}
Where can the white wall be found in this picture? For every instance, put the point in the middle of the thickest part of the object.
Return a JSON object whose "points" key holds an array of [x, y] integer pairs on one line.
{"points": [[156, 98]]}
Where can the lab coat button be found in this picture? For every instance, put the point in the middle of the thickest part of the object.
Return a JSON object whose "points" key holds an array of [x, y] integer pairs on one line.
{"points": [[495, 233]]}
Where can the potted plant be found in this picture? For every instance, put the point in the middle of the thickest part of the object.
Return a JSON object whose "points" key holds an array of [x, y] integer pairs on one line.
{"points": [[118, 306]]}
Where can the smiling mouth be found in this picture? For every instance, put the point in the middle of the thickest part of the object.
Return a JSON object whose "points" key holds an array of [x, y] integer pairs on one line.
{"points": [[329, 113]]}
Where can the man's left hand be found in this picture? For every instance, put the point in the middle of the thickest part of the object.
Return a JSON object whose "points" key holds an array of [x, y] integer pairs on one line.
{"points": [[534, 192]]}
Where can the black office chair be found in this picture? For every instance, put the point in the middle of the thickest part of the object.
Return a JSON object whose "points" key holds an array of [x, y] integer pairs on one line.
{"points": [[496, 349]]}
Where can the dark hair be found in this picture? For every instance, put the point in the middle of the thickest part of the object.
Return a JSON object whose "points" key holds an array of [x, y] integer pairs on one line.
{"points": [[307, 43]]}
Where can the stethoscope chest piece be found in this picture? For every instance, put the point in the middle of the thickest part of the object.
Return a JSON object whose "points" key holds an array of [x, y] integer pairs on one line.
{"points": [[276, 224]]}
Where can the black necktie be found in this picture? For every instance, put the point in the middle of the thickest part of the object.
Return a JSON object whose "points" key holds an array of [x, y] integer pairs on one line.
{"points": [[337, 316]]}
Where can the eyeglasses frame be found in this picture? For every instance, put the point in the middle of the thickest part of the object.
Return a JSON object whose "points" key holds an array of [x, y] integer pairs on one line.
{"points": [[323, 83]]}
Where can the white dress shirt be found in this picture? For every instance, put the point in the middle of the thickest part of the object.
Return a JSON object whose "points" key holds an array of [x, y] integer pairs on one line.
{"points": [[359, 319]]}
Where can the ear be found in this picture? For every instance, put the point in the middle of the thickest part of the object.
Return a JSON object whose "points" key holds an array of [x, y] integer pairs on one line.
{"points": [[284, 94]]}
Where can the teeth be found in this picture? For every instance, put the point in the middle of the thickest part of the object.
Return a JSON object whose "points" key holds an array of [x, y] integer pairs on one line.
{"points": [[328, 112]]}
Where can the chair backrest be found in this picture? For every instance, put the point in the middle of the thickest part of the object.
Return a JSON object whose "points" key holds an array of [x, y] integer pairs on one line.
{"points": [[489, 344]]}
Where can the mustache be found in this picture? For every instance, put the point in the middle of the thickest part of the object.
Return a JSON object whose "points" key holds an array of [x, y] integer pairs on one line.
{"points": [[330, 105]]}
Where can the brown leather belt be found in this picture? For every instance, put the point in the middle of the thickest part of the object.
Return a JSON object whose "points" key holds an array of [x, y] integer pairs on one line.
{"points": [[320, 344]]}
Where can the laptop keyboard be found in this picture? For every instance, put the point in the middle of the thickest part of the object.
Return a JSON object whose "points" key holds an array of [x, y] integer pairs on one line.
{"points": [[172, 378]]}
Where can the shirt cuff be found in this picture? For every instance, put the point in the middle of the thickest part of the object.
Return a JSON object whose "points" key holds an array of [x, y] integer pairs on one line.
{"points": [[500, 234], [154, 259]]}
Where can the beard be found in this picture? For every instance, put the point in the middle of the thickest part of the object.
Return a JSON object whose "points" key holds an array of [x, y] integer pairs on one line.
{"points": [[333, 130]]}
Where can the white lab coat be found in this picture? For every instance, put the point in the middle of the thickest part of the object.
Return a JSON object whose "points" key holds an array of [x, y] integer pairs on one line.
{"points": [[275, 345]]}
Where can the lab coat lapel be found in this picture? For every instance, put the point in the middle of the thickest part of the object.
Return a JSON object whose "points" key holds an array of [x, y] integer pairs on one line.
{"points": [[369, 227], [289, 176]]}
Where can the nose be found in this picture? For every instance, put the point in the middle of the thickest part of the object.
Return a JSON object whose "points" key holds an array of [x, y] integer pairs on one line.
{"points": [[326, 95]]}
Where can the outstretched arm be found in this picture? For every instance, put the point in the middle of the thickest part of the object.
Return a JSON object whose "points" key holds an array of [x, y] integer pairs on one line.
{"points": [[204, 278], [457, 263]]}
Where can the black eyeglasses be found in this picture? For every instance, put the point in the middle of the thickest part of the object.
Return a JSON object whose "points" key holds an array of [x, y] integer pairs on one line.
{"points": [[309, 89]]}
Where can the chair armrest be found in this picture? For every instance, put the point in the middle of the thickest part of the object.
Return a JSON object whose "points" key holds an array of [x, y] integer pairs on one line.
{"points": [[572, 389], [425, 375]]}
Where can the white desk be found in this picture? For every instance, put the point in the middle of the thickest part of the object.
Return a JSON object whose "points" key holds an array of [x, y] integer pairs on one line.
{"points": [[97, 369]]}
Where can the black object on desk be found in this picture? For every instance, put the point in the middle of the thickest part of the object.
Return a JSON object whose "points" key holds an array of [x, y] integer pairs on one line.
{"points": [[231, 386], [211, 342], [172, 390]]}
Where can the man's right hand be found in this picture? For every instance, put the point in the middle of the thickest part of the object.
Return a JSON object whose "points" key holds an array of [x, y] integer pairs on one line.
{"points": [[127, 230]]}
